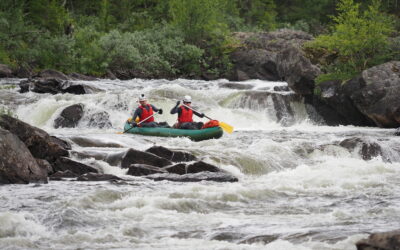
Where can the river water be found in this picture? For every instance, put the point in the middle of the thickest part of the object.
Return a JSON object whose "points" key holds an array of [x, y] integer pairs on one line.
{"points": [[297, 189]]}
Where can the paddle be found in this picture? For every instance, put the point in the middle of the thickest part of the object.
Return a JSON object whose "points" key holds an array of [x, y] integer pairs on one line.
{"points": [[137, 124], [228, 128]]}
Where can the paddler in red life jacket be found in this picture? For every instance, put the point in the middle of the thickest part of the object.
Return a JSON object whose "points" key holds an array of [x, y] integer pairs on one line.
{"points": [[185, 115], [144, 111]]}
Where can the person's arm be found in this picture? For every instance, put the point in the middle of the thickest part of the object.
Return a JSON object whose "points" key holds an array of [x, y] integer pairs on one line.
{"points": [[136, 114], [176, 109], [160, 111], [201, 115]]}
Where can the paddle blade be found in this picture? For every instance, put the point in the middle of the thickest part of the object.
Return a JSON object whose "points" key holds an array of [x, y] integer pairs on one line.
{"points": [[226, 127]]}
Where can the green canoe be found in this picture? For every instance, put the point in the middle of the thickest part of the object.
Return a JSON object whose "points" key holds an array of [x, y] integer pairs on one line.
{"points": [[193, 134]]}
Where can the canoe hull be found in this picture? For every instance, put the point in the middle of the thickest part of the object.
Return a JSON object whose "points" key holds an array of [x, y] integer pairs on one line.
{"points": [[195, 135]]}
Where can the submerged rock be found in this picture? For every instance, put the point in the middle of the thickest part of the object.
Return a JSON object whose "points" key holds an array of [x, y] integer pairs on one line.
{"points": [[175, 156], [100, 120], [397, 132], [69, 117], [59, 175], [17, 165], [98, 177], [381, 241], [202, 176], [367, 149]]}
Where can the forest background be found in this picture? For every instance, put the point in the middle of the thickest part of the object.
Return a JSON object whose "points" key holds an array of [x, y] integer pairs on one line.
{"points": [[187, 38]]}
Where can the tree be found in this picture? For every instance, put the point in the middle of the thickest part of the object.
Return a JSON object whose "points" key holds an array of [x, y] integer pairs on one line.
{"points": [[359, 38]]}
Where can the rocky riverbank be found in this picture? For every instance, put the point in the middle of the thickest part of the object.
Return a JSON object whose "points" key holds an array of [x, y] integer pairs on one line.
{"points": [[29, 154]]}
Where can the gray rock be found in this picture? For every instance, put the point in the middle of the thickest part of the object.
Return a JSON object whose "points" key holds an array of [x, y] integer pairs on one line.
{"points": [[179, 168], [5, 71], [59, 175], [175, 156], [51, 73], [44, 164], [381, 241], [201, 166], [100, 120], [378, 97], [143, 169], [69, 117], [98, 177], [133, 156], [53, 86], [40, 143], [17, 165], [63, 164], [202, 176], [397, 132], [367, 149]]}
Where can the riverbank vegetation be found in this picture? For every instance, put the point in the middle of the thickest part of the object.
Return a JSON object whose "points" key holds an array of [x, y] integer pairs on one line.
{"points": [[186, 38]]}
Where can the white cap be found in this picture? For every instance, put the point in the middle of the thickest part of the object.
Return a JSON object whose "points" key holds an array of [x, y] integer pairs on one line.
{"points": [[187, 98], [142, 97]]}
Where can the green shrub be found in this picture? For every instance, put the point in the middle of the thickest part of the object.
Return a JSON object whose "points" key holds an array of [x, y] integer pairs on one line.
{"points": [[360, 39]]}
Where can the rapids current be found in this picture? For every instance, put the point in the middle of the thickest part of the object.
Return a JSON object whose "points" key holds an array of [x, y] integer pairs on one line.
{"points": [[298, 188]]}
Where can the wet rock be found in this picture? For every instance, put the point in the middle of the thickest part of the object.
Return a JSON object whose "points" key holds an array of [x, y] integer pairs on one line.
{"points": [[257, 57], [91, 142], [98, 177], [40, 143], [233, 85], [23, 72], [17, 165], [5, 71], [62, 143], [63, 164], [281, 88], [341, 108], [77, 76], [133, 156], [397, 132], [227, 236], [175, 156], [100, 120], [51, 73], [59, 175], [69, 117], [201, 166], [43, 164], [176, 169], [367, 149], [378, 97], [381, 241], [110, 75], [264, 239], [143, 169], [53, 86], [297, 70], [203, 176]]}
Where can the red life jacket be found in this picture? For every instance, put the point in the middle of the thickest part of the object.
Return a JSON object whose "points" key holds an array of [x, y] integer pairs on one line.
{"points": [[186, 115], [146, 113]]}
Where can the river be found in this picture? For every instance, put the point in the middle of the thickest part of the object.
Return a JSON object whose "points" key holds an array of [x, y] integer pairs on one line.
{"points": [[297, 189]]}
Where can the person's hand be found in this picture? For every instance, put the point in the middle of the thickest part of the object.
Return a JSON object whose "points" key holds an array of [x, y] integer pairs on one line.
{"points": [[160, 111], [178, 102], [202, 115], [133, 124]]}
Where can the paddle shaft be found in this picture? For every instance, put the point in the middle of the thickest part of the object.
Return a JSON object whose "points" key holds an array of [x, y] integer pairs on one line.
{"points": [[139, 123], [196, 111]]}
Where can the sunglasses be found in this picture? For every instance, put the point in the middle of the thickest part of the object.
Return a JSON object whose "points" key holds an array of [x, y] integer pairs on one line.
{"points": [[187, 102]]}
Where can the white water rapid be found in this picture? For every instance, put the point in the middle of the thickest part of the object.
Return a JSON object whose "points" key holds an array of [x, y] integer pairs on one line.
{"points": [[298, 188]]}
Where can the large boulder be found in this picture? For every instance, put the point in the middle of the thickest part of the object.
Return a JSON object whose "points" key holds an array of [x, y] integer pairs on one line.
{"points": [[175, 156], [336, 106], [40, 143], [5, 71], [17, 165], [297, 70], [69, 117], [133, 156], [381, 241], [201, 166], [179, 168], [378, 97], [51, 73], [275, 56]]}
